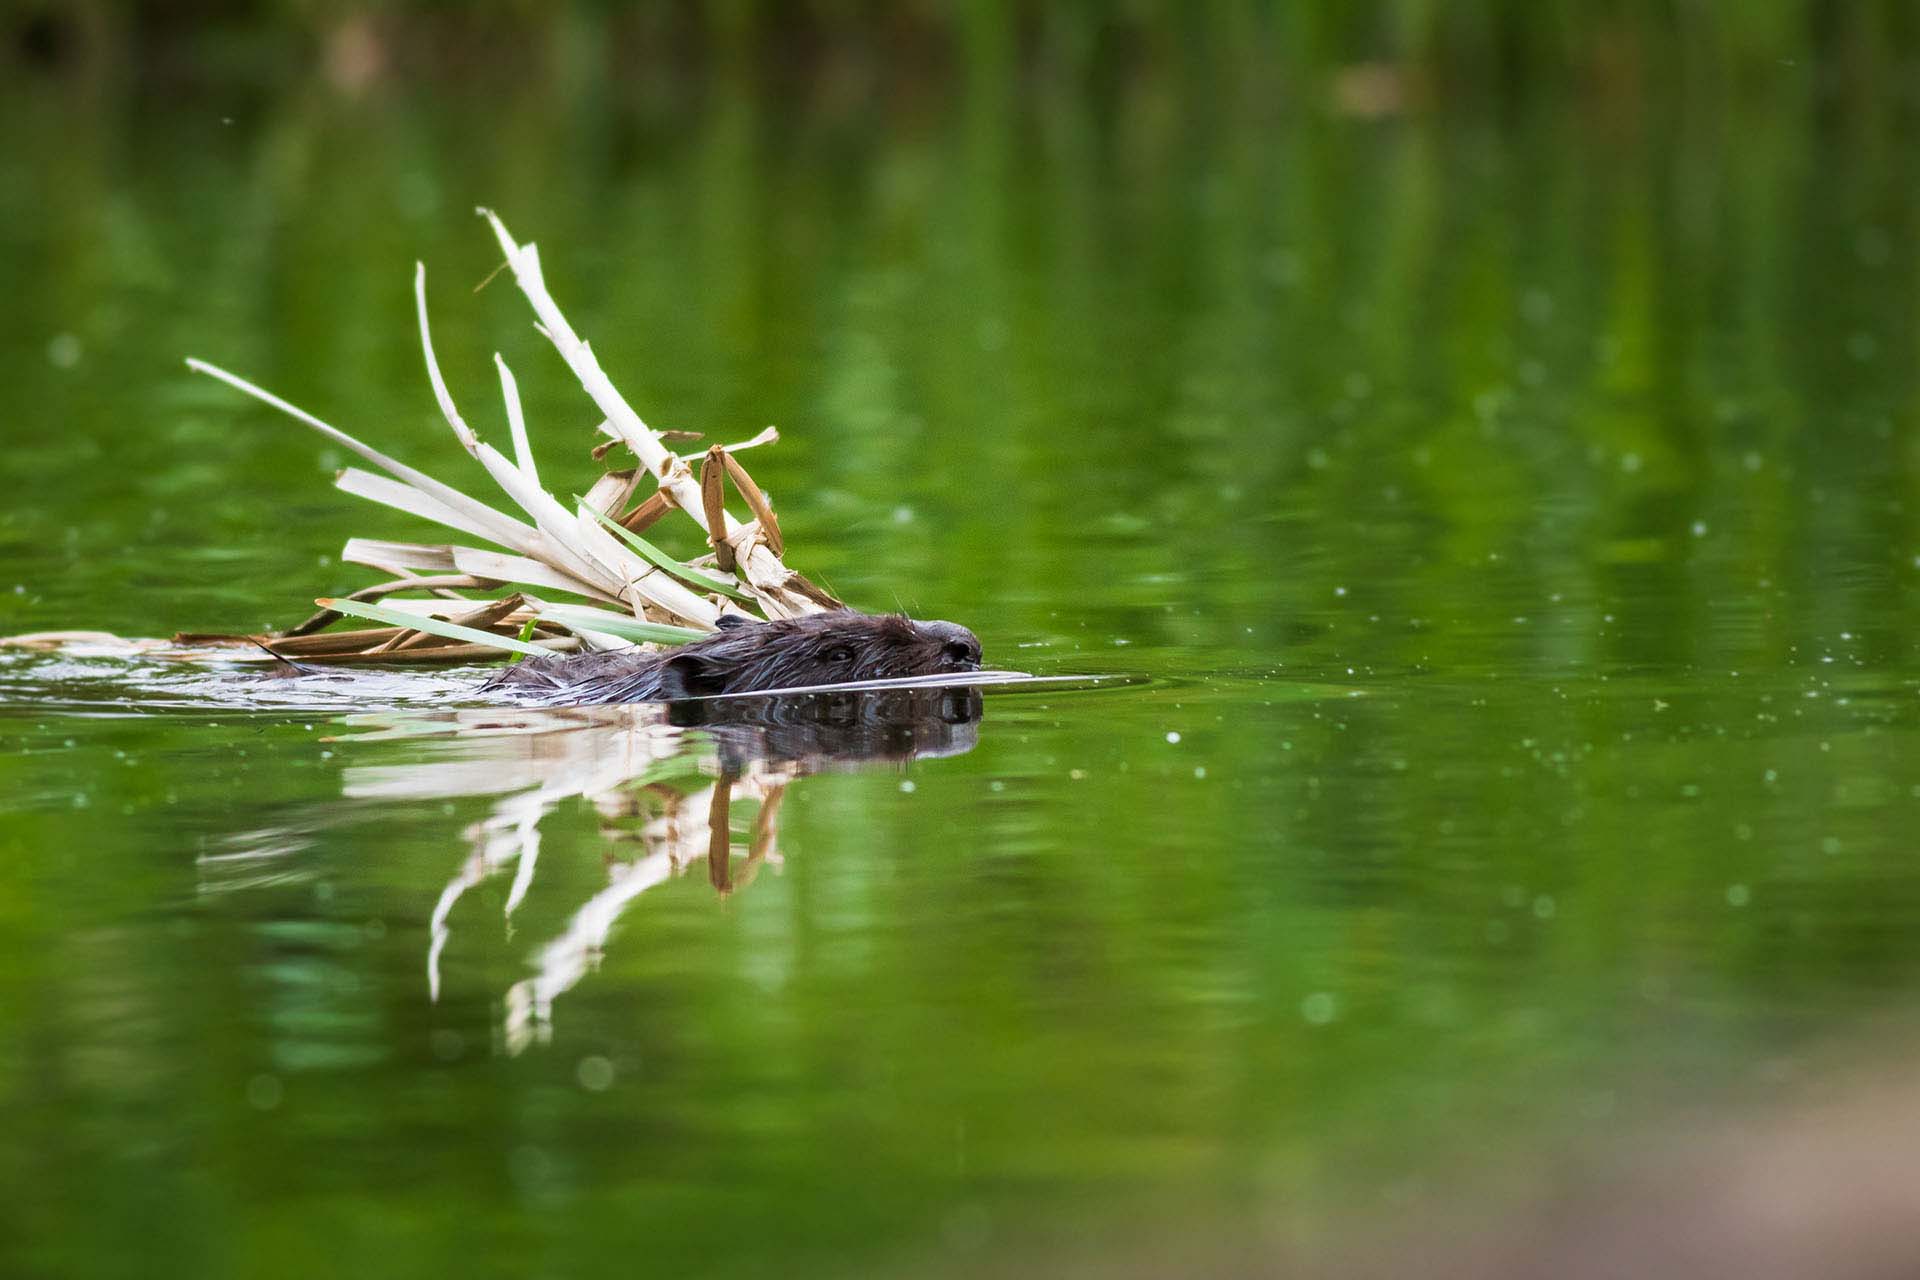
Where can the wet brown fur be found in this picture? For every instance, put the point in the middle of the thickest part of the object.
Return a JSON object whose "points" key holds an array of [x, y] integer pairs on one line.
{"points": [[746, 656]]}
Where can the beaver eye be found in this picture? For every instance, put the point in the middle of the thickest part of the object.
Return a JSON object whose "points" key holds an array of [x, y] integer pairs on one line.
{"points": [[840, 653], [958, 651]]}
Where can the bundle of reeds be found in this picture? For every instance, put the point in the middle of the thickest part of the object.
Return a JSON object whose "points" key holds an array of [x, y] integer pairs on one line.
{"points": [[445, 603]]}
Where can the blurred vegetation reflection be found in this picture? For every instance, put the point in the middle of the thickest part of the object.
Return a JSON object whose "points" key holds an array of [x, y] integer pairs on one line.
{"points": [[646, 769]]}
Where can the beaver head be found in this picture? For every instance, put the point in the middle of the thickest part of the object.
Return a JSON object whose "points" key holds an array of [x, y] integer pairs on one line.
{"points": [[745, 655]]}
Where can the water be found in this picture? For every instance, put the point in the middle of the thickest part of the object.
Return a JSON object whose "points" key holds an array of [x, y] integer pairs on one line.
{"points": [[1507, 520]]}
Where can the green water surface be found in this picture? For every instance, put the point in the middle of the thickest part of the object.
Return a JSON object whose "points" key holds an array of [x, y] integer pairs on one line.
{"points": [[1511, 513]]}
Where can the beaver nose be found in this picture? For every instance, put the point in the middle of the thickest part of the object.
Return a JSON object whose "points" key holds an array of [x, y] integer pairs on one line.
{"points": [[959, 647]]}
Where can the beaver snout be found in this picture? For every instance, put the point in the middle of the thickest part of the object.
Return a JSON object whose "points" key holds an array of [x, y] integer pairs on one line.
{"points": [[959, 647]]}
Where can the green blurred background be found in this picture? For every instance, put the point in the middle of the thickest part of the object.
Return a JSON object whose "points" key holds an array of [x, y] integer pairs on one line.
{"points": [[1489, 428]]}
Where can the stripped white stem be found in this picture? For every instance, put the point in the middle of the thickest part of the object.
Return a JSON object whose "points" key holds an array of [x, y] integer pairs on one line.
{"points": [[497, 527], [575, 543], [766, 576], [403, 497], [516, 421], [563, 549]]}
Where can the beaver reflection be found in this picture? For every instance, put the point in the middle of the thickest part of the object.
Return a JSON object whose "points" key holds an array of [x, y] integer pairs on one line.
{"points": [[694, 785]]}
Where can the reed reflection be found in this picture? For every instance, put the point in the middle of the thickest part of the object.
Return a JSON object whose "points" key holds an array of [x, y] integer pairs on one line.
{"points": [[692, 785]]}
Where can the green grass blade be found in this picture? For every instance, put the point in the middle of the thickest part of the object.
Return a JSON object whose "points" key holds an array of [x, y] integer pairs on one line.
{"points": [[576, 618], [432, 626], [661, 560], [526, 634]]}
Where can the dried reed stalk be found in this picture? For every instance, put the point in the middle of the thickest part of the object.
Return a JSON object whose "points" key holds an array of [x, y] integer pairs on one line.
{"points": [[591, 550]]}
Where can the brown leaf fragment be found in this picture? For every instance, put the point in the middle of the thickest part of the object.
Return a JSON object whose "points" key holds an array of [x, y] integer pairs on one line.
{"points": [[443, 653], [713, 499], [481, 619], [762, 509], [334, 643], [800, 586], [648, 513]]}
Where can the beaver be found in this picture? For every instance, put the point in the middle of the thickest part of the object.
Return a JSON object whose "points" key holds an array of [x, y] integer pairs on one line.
{"points": [[746, 655]]}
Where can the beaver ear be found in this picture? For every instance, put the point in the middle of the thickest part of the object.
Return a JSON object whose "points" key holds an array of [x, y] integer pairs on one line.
{"points": [[691, 675], [735, 621]]}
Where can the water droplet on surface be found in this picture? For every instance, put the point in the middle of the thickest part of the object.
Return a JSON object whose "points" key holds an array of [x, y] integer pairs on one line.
{"points": [[595, 1073], [264, 1092], [1320, 1008]]}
